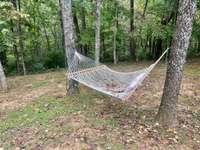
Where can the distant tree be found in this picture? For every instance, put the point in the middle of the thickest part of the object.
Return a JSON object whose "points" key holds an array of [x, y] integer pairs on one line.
{"points": [[19, 50], [115, 34], [145, 8], [84, 27], [167, 114], [69, 40], [21, 45], [3, 83], [97, 31], [132, 43]]}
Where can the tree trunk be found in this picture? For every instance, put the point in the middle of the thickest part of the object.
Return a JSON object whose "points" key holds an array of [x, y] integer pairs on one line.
{"points": [[115, 35], [103, 46], [158, 48], [167, 115], [198, 46], [114, 47], [16, 53], [145, 8], [164, 22], [19, 52], [77, 29], [132, 43], [55, 36], [70, 48], [83, 21], [61, 26], [21, 45], [97, 32], [3, 83]]}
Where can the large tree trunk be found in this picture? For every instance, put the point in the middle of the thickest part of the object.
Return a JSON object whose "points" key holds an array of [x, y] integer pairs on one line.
{"points": [[3, 83], [132, 44], [70, 48], [167, 114], [97, 32]]}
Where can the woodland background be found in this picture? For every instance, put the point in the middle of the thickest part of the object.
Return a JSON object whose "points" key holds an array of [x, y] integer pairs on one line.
{"points": [[31, 33]]}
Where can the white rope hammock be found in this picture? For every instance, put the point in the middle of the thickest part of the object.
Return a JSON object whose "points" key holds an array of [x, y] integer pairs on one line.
{"points": [[103, 79]]}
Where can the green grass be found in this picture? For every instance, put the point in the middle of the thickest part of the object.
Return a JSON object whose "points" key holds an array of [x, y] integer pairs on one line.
{"points": [[98, 118], [40, 112], [43, 112], [39, 84]]}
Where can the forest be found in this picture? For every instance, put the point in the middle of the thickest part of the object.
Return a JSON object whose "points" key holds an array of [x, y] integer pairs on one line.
{"points": [[32, 36], [99, 74]]}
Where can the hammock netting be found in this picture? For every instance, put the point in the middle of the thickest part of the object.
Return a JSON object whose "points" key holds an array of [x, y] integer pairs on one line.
{"points": [[103, 79]]}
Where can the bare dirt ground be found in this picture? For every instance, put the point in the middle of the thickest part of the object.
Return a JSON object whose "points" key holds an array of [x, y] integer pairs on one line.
{"points": [[37, 114]]}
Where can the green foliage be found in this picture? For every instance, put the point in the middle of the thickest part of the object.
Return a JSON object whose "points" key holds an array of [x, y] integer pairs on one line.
{"points": [[11, 66], [38, 67], [41, 32], [55, 59], [141, 54]]}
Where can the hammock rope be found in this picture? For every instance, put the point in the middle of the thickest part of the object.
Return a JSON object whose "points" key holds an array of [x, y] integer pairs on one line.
{"points": [[120, 85]]}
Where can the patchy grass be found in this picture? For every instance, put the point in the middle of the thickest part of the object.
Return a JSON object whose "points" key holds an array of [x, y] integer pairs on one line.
{"points": [[36, 114], [39, 84]]}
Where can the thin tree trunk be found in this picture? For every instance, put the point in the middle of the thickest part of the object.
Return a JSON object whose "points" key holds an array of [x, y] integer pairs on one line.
{"points": [[83, 21], [47, 37], [61, 25], [16, 54], [132, 40], [164, 22], [77, 29], [70, 48], [198, 44], [97, 32], [3, 82], [115, 36], [114, 47], [21, 46], [54, 33], [15, 48], [145, 8], [167, 114], [103, 46]]}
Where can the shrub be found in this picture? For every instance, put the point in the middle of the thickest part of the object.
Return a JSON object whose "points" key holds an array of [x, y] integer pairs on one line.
{"points": [[141, 54], [55, 59]]}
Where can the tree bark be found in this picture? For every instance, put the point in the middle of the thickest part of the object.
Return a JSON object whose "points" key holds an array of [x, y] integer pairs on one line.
{"points": [[115, 35], [19, 52], [15, 48], [70, 48], [198, 46], [97, 31], [61, 25], [21, 45], [132, 44], [3, 82], [84, 27], [77, 29], [145, 8], [167, 115]]}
